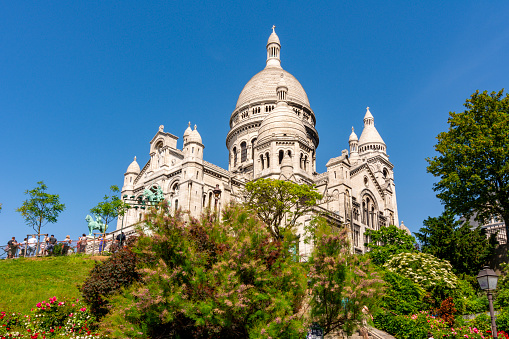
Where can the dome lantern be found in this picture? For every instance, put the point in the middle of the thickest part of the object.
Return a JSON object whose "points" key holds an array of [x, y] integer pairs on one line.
{"points": [[282, 90], [273, 50]]}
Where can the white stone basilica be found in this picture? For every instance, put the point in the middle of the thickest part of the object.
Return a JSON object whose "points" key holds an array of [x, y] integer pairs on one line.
{"points": [[272, 135]]}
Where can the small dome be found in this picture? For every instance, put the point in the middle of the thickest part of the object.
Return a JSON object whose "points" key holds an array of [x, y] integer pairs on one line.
{"points": [[194, 136], [282, 121], [353, 136], [188, 130], [369, 134], [133, 167], [404, 228]]}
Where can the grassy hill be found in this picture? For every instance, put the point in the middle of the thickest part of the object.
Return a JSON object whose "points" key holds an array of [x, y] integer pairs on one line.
{"points": [[26, 281]]}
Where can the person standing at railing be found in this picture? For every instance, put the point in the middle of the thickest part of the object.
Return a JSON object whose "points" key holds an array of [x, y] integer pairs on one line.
{"points": [[52, 242], [32, 245], [22, 245], [67, 243], [45, 245], [13, 247], [82, 243], [121, 239]]}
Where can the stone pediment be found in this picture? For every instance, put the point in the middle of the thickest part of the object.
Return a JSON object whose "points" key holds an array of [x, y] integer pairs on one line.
{"points": [[164, 135], [382, 160]]}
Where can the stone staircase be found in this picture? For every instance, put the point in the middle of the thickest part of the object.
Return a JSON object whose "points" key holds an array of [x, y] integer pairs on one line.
{"points": [[373, 333]]}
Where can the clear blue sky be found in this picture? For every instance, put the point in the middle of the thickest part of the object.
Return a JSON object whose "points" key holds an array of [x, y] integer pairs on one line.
{"points": [[84, 85]]}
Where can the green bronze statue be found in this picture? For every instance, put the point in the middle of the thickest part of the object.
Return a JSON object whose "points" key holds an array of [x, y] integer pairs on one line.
{"points": [[154, 198], [96, 224]]}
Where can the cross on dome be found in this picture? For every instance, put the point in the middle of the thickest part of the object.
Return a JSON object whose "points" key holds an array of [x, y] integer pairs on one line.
{"points": [[273, 26]]}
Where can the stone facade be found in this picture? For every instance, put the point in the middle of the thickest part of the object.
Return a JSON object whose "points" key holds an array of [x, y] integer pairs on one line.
{"points": [[272, 135]]}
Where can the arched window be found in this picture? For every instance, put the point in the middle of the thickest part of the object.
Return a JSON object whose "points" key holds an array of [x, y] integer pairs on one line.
{"points": [[373, 219], [301, 160], [385, 172], [268, 159], [252, 148], [234, 156], [261, 159], [281, 155], [243, 151], [210, 199], [176, 205], [305, 163]]}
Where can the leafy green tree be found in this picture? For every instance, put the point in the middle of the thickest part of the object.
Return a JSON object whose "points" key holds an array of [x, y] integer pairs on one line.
{"points": [[280, 203], [453, 240], [111, 206], [473, 165], [41, 207], [388, 241]]}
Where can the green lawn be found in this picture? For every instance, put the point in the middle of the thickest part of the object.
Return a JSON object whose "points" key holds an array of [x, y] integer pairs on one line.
{"points": [[26, 281]]}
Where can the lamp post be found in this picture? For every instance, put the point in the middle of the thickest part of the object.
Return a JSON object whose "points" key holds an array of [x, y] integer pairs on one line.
{"points": [[488, 279]]}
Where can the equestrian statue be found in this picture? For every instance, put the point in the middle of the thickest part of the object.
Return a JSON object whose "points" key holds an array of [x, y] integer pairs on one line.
{"points": [[96, 224]]}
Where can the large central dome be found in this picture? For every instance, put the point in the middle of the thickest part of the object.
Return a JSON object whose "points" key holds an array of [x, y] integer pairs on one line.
{"points": [[259, 100], [263, 87]]}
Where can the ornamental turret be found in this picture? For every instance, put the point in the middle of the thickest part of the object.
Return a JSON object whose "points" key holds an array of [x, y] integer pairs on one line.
{"points": [[132, 172], [273, 50], [193, 146], [370, 140], [354, 146]]}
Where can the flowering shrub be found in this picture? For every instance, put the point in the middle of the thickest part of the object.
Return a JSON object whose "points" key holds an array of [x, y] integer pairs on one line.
{"points": [[418, 325], [210, 278], [424, 269], [107, 278], [341, 283], [48, 319]]}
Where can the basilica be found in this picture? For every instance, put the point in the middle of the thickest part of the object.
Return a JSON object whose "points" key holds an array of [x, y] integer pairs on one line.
{"points": [[272, 135]]}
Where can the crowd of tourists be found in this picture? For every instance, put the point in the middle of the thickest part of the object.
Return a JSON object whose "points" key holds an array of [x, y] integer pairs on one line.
{"points": [[45, 245]]}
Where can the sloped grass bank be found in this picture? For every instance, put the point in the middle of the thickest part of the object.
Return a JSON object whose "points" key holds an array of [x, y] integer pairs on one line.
{"points": [[26, 281]]}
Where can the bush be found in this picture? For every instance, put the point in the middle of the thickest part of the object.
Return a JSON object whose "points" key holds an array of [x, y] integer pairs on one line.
{"points": [[232, 278], [418, 325], [209, 278], [482, 322], [341, 283], [424, 269], [503, 320], [107, 278], [49, 319], [402, 296], [402, 327]]}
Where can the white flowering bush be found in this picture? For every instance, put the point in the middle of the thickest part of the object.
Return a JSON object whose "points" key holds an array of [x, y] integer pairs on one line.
{"points": [[424, 269]]}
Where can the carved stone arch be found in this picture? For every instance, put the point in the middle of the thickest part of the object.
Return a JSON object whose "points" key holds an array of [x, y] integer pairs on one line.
{"points": [[368, 193], [370, 208], [171, 186]]}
